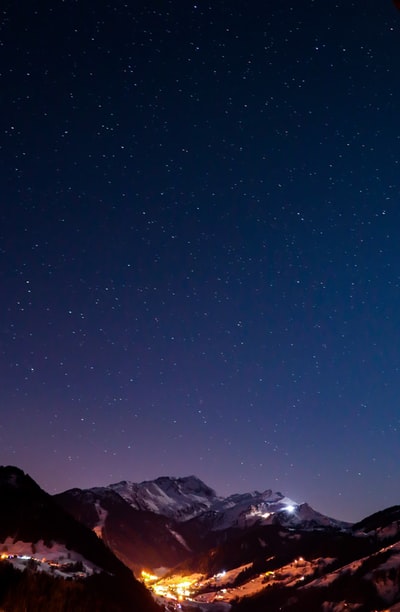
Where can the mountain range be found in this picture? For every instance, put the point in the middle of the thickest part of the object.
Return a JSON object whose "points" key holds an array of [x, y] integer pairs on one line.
{"points": [[194, 549], [164, 522]]}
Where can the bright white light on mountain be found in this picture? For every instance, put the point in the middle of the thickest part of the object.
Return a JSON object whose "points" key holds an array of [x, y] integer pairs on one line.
{"points": [[257, 512], [290, 509]]}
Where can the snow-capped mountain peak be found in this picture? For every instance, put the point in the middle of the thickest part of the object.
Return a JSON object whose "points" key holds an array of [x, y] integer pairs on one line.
{"points": [[178, 498]]}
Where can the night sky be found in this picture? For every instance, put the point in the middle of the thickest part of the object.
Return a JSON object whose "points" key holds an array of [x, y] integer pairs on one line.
{"points": [[199, 245]]}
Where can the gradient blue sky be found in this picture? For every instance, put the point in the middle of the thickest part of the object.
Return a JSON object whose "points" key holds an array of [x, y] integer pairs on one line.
{"points": [[199, 246]]}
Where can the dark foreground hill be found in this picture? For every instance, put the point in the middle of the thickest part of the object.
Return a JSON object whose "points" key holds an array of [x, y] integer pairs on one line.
{"points": [[66, 567]]}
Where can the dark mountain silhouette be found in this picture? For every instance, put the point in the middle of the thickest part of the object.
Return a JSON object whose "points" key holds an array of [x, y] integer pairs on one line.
{"points": [[29, 515], [379, 520]]}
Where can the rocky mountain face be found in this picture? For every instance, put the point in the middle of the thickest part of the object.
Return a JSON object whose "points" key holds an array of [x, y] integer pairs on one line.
{"points": [[176, 498]]}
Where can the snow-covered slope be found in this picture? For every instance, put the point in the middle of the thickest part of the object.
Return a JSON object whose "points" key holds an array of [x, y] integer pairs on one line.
{"points": [[381, 570], [54, 559]]}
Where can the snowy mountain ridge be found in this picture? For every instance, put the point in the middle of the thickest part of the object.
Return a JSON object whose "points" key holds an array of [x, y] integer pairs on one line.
{"points": [[177, 498], [186, 498]]}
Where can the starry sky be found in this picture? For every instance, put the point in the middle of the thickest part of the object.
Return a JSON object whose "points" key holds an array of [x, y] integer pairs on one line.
{"points": [[199, 246]]}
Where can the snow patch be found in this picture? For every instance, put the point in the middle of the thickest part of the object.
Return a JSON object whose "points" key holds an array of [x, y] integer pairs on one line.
{"points": [[180, 539], [102, 514]]}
